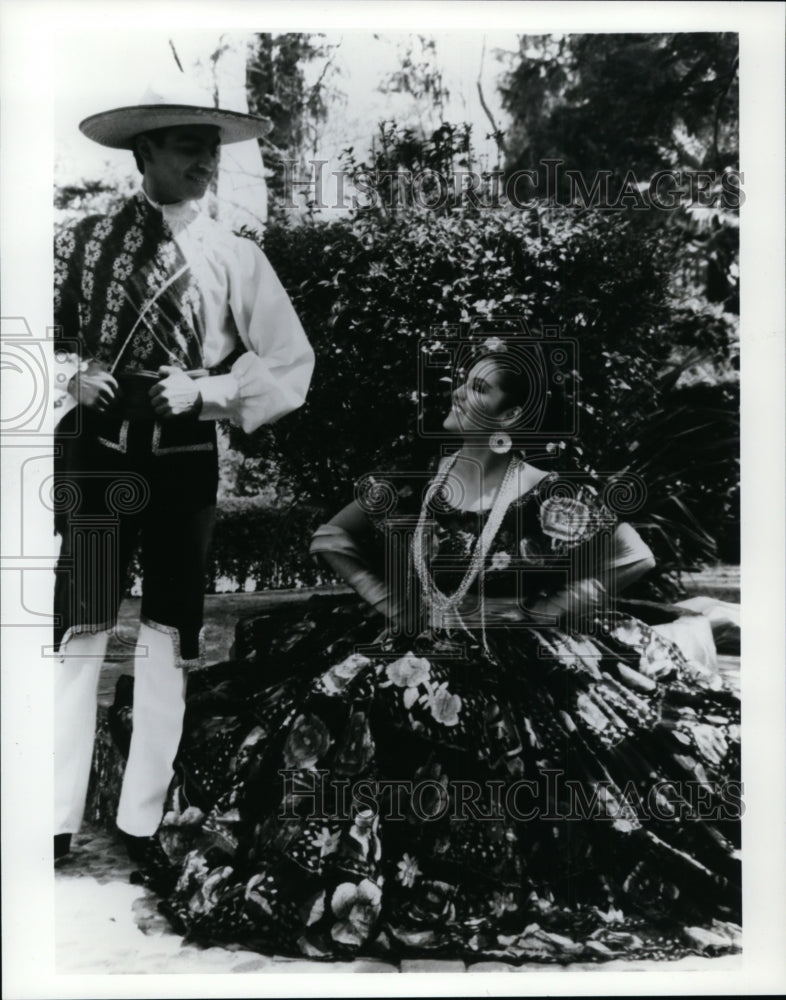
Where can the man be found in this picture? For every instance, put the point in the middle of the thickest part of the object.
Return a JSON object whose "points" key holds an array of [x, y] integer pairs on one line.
{"points": [[168, 322]]}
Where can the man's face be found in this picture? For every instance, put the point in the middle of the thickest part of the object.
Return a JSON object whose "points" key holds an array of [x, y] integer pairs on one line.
{"points": [[182, 165]]}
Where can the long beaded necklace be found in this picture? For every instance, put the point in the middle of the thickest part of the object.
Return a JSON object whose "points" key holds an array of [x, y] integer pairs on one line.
{"points": [[447, 604]]}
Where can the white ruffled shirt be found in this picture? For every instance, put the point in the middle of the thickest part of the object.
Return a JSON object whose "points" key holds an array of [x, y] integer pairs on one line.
{"points": [[242, 299]]}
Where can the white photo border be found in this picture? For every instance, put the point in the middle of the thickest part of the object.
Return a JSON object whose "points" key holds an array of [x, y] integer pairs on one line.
{"points": [[30, 31]]}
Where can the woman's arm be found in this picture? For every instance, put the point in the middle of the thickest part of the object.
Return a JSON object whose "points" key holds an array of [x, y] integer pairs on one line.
{"points": [[631, 558], [343, 543]]}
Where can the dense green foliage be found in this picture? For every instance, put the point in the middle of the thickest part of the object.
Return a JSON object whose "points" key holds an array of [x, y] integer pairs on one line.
{"points": [[268, 545], [368, 290], [257, 546], [624, 102], [631, 106]]}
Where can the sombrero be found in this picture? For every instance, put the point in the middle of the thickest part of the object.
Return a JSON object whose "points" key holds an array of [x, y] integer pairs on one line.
{"points": [[164, 108]]}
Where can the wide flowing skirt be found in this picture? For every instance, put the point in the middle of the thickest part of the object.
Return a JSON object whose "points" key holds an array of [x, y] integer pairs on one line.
{"points": [[527, 795]]}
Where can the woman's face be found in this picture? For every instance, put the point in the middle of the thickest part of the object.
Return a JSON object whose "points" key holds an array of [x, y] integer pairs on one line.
{"points": [[480, 404]]}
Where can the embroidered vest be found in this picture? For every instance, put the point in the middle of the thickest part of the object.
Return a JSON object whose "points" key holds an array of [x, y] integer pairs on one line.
{"points": [[125, 294]]}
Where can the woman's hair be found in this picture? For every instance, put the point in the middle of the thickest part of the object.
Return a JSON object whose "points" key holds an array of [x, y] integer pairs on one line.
{"points": [[521, 372], [529, 378], [520, 382]]}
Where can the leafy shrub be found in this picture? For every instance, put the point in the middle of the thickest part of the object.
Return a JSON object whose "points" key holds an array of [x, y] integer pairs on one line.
{"points": [[367, 289], [266, 546]]}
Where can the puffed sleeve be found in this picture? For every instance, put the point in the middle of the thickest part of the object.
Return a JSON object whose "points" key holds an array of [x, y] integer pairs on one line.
{"points": [[346, 535], [629, 547], [357, 531], [606, 555], [573, 523], [272, 378], [346, 543]]}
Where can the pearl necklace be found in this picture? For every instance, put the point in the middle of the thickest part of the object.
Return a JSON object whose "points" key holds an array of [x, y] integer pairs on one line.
{"points": [[434, 598]]}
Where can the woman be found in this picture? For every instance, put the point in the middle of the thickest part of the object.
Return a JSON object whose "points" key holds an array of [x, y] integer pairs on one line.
{"points": [[513, 769]]}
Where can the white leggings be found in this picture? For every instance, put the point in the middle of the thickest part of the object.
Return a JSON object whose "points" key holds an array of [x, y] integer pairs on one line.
{"points": [[159, 704]]}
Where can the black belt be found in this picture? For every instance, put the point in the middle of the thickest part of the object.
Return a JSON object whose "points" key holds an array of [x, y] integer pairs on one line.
{"points": [[133, 401]]}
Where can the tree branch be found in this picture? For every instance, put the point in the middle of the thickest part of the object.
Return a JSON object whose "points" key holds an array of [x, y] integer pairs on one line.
{"points": [[496, 133], [174, 53]]}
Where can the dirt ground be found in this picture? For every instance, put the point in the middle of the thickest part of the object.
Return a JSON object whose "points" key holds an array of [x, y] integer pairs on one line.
{"points": [[105, 925]]}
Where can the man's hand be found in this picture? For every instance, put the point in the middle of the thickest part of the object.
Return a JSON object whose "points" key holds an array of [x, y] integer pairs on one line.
{"points": [[176, 395], [94, 388]]}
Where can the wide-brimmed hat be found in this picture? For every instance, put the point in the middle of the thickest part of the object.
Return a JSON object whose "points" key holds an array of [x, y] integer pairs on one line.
{"points": [[164, 107]]}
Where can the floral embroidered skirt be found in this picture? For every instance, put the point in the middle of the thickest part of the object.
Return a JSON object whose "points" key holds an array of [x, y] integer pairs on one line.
{"points": [[551, 797]]}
